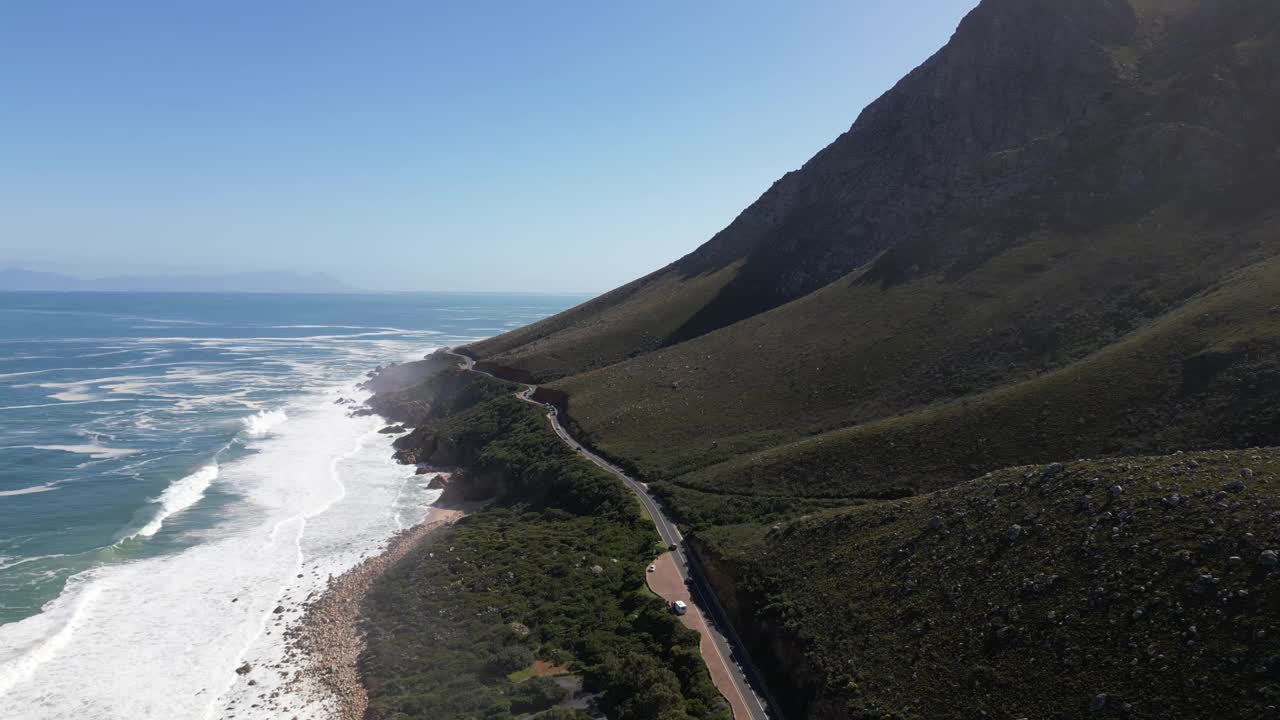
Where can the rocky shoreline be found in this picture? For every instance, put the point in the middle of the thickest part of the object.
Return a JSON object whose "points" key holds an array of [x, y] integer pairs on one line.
{"points": [[330, 638]]}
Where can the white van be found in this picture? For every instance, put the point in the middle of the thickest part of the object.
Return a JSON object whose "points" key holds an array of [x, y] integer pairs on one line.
{"points": [[679, 607]]}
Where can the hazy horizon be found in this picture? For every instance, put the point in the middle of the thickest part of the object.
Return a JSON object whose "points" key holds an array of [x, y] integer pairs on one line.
{"points": [[548, 149], [19, 279]]}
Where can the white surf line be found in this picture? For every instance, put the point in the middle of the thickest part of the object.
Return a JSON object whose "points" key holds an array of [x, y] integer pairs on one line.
{"points": [[74, 402], [395, 505], [23, 561], [34, 490], [212, 468], [118, 367], [154, 525], [301, 518], [24, 668], [395, 502]]}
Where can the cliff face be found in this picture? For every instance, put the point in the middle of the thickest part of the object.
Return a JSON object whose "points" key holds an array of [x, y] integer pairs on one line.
{"points": [[978, 124], [777, 652], [430, 395]]}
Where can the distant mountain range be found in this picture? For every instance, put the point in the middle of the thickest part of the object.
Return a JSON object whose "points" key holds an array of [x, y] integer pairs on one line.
{"points": [[17, 280]]}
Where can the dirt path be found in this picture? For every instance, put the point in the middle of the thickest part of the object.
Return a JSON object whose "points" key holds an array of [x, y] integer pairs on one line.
{"points": [[666, 582]]}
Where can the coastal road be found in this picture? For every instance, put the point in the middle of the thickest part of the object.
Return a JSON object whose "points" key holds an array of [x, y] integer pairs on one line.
{"points": [[747, 689]]}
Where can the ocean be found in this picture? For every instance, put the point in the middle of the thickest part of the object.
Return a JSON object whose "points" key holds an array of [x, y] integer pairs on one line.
{"points": [[174, 468]]}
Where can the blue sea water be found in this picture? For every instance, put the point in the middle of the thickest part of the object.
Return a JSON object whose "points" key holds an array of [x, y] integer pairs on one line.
{"points": [[172, 467]]}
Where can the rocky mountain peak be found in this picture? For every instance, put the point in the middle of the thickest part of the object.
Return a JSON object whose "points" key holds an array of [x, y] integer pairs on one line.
{"points": [[1037, 113]]}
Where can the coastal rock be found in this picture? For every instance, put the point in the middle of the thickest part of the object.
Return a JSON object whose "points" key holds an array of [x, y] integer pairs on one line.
{"points": [[1052, 470], [439, 482], [244, 669], [329, 636]]}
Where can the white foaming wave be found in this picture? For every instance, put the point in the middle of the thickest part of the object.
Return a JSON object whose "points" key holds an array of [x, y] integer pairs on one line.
{"points": [[73, 395], [27, 491], [262, 422], [45, 646], [63, 404], [179, 496], [112, 369], [5, 563], [317, 497], [106, 353], [93, 450]]}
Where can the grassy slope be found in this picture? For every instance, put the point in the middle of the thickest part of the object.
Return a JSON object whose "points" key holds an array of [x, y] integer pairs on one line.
{"points": [[854, 353], [441, 639], [1097, 595], [1132, 396], [1032, 287], [633, 319]]}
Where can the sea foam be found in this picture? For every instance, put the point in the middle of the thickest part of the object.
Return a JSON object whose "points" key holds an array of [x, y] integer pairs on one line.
{"points": [[179, 496], [263, 421], [162, 636]]}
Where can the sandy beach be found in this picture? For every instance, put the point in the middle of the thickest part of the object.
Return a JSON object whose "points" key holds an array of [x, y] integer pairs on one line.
{"points": [[330, 639]]}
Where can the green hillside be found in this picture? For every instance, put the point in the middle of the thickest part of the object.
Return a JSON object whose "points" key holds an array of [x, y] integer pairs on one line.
{"points": [[1027, 593], [1059, 237], [966, 280]]}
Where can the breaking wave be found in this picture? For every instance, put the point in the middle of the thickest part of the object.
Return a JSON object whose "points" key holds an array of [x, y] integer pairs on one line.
{"points": [[262, 422]]}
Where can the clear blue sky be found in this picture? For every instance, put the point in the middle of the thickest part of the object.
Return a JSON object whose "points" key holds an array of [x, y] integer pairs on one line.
{"points": [[547, 146]]}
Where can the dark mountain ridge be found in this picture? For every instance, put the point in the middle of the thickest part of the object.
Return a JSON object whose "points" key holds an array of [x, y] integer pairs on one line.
{"points": [[1037, 115]]}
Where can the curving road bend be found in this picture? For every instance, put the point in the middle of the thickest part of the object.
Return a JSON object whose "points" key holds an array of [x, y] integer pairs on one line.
{"points": [[729, 649]]}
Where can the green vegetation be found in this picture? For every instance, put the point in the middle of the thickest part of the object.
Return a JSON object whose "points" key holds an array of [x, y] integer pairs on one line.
{"points": [[1028, 593], [921, 358], [1057, 238], [553, 570]]}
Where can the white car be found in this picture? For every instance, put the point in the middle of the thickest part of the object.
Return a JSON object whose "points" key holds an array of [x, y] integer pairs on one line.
{"points": [[679, 608]]}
